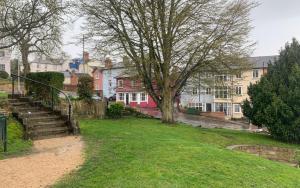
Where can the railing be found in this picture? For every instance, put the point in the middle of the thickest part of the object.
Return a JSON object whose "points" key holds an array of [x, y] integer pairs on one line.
{"points": [[51, 89]]}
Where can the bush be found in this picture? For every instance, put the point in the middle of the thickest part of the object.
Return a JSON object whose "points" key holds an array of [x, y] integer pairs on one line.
{"points": [[85, 88], [115, 110], [4, 75], [193, 111], [39, 91], [128, 111]]}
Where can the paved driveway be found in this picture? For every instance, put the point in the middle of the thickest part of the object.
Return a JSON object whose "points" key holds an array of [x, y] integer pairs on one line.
{"points": [[200, 121]]}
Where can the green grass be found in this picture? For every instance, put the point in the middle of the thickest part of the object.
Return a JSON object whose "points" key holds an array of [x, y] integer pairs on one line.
{"points": [[146, 153], [3, 95], [16, 144]]}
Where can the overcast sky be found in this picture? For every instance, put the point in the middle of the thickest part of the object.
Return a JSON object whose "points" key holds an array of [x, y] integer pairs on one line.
{"points": [[275, 22]]}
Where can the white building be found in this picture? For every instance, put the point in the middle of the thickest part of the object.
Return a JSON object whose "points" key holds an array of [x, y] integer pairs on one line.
{"points": [[5, 56], [225, 93], [44, 64]]}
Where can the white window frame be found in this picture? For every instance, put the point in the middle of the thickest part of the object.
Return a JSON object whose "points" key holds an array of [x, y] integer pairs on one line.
{"points": [[119, 84], [133, 83], [145, 95], [255, 73], [133, 99], [239, 108], [121, 96], [238, 75], [238, 90], [2, 67], [97, 75], [195, 91], [208, 91]]}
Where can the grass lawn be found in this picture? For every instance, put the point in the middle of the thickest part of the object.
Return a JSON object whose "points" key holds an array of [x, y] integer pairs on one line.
{"points": [[16, 144], [146, 153]]}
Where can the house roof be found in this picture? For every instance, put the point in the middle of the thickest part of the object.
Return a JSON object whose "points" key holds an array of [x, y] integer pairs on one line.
{"points": [[262, 61]]}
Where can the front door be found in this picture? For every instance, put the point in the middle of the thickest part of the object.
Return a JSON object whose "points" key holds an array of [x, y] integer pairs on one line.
{"points": [[127, 98], [208, 107]]}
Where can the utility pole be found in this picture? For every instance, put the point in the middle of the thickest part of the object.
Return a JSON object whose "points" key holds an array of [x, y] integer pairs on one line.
{"points": [[199, 94], [19, 87], [83, 63]]}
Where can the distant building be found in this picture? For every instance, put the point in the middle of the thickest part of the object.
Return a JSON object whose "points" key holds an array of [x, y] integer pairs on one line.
{"points": [[132, 93], [5, 56], [226, 92]]}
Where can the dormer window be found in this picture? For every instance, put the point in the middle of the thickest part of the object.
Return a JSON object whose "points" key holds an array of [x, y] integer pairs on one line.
{"points": [[120, 83]]}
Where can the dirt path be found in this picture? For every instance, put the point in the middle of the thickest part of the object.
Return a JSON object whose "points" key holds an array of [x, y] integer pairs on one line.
{"points": [[51, 159]]}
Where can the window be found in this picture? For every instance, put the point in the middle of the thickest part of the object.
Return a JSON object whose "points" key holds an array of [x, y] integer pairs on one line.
{"points": [[221, 92], [97, 75], [238, 90], [109, 82], [237, 108], [133, 83], [121, 96], [198, 106], [255, 73], [239, 75], [221, 107], [143, 97], [38, 66], [208, 91], [120, 83], [96, 87], [133, 97], [2, 53], [222, 78], [2, 67], [195, 91]]}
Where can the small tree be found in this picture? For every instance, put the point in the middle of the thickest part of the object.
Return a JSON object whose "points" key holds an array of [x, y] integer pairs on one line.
{"points": [[275, 100], [85, 88], [4, 75]]}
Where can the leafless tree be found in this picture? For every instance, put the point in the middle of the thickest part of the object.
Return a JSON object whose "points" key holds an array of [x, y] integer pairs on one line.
{"points": [[168, 41], [34, 26]]}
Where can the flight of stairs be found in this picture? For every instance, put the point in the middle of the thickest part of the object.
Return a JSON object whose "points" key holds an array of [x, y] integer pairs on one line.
{"points": [[39, 122]]}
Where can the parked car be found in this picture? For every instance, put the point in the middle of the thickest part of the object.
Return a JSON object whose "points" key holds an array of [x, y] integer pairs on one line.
{"points": [[112, 98], [96, 97]]}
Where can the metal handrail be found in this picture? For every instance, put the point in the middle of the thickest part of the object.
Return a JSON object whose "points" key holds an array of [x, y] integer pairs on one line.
{"points": [[13, 76]]}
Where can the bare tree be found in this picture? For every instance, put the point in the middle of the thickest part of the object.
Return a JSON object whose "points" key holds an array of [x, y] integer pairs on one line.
{"points": [[168, 41], [46, 37], [21, 15]]}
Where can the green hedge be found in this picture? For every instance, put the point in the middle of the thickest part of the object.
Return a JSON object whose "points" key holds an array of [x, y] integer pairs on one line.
{"points": [[85, 88], [193, 111], [4, 75], [39, 91]]}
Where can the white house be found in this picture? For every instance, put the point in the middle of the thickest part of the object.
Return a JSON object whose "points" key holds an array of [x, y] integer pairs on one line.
{"points": [[5, 56]]}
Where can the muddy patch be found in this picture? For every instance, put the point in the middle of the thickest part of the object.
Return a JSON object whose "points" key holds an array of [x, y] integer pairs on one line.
{"points": [[285, 155]]}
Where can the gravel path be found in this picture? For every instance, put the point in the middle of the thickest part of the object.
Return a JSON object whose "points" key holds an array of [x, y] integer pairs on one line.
{"points": [[51, 159]]}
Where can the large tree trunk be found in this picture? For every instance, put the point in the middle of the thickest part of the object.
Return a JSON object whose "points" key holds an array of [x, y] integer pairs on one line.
{"points": [[25, 62], [167, 106]]}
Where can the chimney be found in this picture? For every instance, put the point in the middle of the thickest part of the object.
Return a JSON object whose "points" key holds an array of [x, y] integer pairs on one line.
{"points": [[86, 57], [108, 63]]}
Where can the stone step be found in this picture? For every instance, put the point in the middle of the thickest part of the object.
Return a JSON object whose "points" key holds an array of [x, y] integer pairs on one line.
{"points": [[19, 103], [41, 137], [34, 114], [47, 132], [37, 125], [43, 118]]}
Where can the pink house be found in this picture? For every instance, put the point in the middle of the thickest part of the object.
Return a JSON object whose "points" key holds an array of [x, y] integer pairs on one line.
{"points": [[98, 81], [132, 93]]}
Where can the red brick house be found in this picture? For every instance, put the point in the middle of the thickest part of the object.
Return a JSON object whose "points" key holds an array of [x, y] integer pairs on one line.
{"points": [[131, 91], [98, 81]]}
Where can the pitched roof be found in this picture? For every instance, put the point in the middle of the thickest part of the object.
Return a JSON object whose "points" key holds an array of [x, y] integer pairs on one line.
{"points": [[262, 61]]}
